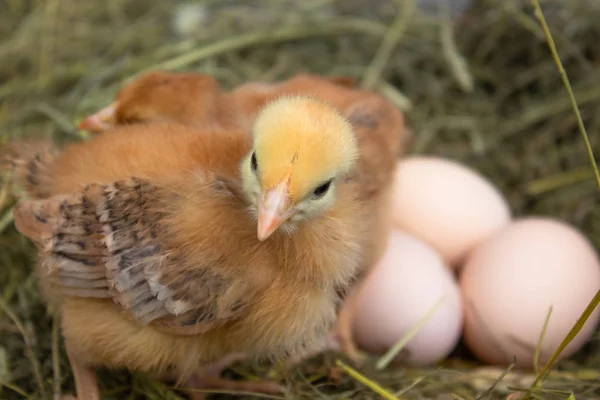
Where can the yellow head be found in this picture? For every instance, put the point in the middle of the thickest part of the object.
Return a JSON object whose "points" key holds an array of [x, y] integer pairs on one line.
{"points": [[302, 148]]}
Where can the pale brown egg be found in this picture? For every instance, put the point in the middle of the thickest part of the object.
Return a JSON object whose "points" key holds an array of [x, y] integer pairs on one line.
{"points": [[446, 204], [408, 283], [510, 282]]}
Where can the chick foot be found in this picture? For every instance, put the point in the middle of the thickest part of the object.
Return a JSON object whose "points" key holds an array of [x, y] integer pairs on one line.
{"points": [[209, 378], [343, 330], [86, 385]]}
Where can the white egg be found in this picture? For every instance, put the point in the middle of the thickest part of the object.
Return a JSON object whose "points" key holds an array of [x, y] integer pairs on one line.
{"points": [[510, 282], [404, 286], [446, 204]]}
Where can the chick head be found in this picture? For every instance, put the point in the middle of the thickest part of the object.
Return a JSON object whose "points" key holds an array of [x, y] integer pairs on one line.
{"points": [[159, 96], [302, 148]]}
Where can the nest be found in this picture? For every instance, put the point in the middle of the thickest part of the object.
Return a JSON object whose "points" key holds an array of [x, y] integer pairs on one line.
{"points": [[481, 88]]}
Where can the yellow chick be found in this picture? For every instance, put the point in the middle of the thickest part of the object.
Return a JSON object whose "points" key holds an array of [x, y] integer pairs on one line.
{"points": [[197, 100], [164, 252]]}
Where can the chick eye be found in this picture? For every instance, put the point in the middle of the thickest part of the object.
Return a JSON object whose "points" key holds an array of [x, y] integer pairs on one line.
{"points": [[321, 190], [253, 162]]}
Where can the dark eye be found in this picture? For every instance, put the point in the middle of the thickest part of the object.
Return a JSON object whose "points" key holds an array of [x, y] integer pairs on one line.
{"points": [[253, 162], [321, 190]]}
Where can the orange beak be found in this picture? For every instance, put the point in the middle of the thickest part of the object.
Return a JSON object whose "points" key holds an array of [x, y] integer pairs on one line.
{"points": [[273, 210], [101, 121]]}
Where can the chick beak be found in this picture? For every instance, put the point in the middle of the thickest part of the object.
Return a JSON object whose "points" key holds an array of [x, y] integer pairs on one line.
{"points": [[273, 210], [101, 121]]}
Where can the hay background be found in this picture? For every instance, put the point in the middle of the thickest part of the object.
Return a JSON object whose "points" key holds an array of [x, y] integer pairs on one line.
{"points": [[60, 60]]}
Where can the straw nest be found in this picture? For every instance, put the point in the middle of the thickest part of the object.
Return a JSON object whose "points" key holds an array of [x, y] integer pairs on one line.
{"points": [[482, 89]]}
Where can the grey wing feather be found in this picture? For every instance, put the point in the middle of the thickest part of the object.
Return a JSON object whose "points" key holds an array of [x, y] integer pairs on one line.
{"points": [[108, 241]]}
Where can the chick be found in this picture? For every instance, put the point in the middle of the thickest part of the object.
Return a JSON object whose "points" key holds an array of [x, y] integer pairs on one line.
{"points": [[192, 99], [163, 252], [378, 124]]}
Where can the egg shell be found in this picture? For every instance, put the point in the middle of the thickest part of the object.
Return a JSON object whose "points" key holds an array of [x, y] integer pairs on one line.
{"points": [[446, 204], [509, 283], [403, 287]]}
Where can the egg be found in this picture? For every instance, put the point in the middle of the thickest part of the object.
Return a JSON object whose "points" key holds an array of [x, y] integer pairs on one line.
{"points": [[399, 292], [446, 204], [510, 281]]}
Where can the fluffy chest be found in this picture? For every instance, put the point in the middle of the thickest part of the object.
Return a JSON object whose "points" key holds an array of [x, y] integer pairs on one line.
{"points": [[298, 309]]}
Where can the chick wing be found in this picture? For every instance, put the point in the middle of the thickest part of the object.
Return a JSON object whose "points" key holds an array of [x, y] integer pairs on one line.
{"points": [[112, 241]]}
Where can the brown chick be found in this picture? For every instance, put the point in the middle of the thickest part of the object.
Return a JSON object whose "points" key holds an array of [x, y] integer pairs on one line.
{"points": [[377, 122], [191, 99], [153, 240]]}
